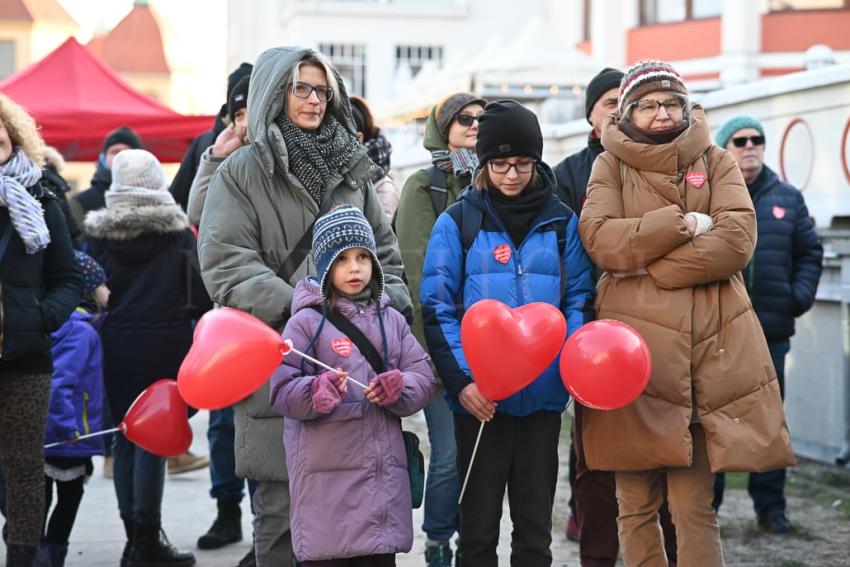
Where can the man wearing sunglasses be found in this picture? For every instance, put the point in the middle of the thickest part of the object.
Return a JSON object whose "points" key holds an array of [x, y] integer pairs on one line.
{"points": [[782, 278]]}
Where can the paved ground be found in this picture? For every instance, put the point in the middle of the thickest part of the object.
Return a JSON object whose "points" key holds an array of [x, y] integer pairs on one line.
{"points": [[818, 501]]}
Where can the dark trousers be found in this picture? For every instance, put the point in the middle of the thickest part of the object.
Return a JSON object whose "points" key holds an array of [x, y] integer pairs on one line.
{"points": [[597, 510], [385, 560], [221, 434], [767, 489], [139, 479], [520, 454], [69, 494]]}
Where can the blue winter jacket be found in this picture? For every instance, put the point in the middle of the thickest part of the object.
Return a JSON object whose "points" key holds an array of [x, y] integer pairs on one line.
{"points": [[782, 276], [532, 274], [76, 397]]}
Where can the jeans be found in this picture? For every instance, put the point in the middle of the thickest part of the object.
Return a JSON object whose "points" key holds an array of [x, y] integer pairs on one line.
{"points": [[441, 485], [767, 489], [220, 434], [139, 479]]}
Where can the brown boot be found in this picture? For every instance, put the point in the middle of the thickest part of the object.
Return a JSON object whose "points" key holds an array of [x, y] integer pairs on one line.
{"points": [[187, 462]]}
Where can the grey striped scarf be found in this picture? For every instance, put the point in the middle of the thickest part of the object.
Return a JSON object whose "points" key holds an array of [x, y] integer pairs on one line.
{"points": [[26, 213]]}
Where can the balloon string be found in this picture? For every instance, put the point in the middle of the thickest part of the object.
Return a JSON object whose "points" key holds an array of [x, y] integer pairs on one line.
{"points": [[323, 365], [81, 437], [471, 461]]}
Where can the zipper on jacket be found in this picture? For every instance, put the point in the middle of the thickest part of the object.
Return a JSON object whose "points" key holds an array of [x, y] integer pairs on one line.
{"points": [[86, 430]]}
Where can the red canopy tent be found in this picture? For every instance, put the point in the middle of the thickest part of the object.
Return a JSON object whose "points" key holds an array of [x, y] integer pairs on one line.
{"points": [[76, 100]]}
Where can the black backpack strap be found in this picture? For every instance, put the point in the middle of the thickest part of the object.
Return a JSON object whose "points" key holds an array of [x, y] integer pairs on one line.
{"points": [[298, 254], [350, 330], [438, 191], [561, 233]]}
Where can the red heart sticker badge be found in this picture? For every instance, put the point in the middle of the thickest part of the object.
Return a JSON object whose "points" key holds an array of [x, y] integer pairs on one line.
{"points": [[502, 253], [342, 346], [778, 212], [696, 178]]}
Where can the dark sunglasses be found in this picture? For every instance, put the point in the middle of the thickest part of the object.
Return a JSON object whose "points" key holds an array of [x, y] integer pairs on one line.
{"points": [[741, 141], [466, 119]]}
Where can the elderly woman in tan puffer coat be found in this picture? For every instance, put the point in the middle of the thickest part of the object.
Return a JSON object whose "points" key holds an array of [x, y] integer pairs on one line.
{"points": [[669, 220]]}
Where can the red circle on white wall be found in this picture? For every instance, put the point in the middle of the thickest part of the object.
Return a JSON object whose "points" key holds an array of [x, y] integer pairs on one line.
{"points": [[845, 146], [797, 138]]}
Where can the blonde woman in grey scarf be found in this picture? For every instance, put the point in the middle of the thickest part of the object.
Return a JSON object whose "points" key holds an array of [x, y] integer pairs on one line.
{"points": [[39, 287]]}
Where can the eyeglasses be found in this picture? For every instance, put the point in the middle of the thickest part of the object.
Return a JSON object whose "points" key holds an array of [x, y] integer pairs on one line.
{"points": [[648, 107], [741, 141], [304, 90], [501, 166], [466, 119]]}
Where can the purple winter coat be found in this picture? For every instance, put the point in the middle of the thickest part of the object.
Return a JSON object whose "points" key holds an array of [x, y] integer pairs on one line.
{"points": [[348, 482]]}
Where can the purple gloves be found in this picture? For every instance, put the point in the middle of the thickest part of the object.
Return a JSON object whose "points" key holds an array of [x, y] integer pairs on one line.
{"points": [[385, 388], [327, 390]]}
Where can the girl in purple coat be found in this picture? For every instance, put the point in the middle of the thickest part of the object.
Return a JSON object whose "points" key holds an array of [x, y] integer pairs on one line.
{"points": [[76, 402], [351, 503]]}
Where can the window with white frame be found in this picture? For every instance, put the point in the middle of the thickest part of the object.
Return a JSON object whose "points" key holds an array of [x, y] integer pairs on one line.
{"points": [[350, 61], [7, 58], [414, 56]]}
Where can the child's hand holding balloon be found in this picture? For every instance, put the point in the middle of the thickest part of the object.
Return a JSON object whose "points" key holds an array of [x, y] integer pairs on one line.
{"points": [[385, 388]]}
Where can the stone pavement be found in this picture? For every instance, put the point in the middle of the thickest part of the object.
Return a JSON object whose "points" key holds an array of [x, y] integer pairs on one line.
{"points": [[188, 511]]}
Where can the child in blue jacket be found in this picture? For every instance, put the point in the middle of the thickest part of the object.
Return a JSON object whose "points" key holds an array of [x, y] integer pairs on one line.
{"points": [[508, 238], [76, 402]]}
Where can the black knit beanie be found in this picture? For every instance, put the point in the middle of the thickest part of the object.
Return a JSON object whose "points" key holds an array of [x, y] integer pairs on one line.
{"points": [[508, 129], [604, 81], [122, 135], [238, 98], [243, 70]]}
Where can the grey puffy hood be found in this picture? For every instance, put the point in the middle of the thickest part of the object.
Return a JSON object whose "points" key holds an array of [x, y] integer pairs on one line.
{"points": [[266, 99]]}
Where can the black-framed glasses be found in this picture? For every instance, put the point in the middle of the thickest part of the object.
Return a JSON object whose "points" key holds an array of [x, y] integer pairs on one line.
{"points": [[501, 166], [741, 141], [304, 90], [649, 107], [466, 120]]}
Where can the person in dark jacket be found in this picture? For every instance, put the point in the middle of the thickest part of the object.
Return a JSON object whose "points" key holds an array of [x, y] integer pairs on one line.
{"points": [[182, 182], [517, 258], [782, 278], [51, 178], [39, 287], [76, 402], [144, 243], [92, 199]]}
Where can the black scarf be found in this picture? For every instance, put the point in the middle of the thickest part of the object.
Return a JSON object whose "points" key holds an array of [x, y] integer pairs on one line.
{"points": [[316, 155], [643, 136], [517, 213]]}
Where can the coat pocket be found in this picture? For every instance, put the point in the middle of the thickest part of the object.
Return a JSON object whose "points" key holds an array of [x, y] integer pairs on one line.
{"points": [[335, 442]]}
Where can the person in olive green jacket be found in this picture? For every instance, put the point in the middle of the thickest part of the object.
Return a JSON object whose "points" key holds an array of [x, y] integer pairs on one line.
{"points": [[450, 135], [302, 159]]}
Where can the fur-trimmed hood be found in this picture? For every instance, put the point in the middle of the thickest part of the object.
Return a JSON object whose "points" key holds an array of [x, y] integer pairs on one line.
{"points": [[127, 224]]}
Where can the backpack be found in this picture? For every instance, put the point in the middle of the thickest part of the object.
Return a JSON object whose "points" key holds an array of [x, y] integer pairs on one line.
{"points": [[471, 221], [438, 191]]}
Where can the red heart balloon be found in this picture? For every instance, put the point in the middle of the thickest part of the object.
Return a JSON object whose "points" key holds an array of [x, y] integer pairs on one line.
{"points": [[158, 421], [507, 349], [605, 364], [233, 353]]}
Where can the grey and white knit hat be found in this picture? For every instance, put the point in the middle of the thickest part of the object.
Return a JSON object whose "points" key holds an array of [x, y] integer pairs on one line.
{"points": [[649, 76], [137, 180], [342, 228]]}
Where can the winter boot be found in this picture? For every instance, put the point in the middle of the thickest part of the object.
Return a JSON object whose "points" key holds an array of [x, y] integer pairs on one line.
{"points": [[227, 527], [51, 555], [129, 529], [20, 555], [439, 554], [152, 549]]}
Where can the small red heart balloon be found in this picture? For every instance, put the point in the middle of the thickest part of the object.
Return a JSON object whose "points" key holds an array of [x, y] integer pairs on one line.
{"points": [[158, 421], [507, 349], [605, 364], [233, 353]]}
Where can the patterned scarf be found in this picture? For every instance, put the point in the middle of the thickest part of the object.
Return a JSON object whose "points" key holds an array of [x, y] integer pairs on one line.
{"points": [[460, 163], [316, 155], [379, 150], [26, 213]]}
